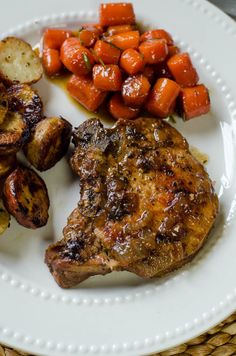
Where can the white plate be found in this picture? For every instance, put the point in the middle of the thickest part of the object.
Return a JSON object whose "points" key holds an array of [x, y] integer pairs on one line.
{"points": [[121, 313]]}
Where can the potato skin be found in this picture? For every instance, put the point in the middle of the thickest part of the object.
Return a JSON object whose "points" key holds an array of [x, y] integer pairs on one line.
{"points": [[7, 164], [48, 142], [3, 103], [22, 98], [14, 132], [25, 197], [4, 218]]}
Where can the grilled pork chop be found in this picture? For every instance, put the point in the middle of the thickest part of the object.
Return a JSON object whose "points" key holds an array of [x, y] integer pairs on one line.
{"points": [[146, 204]]}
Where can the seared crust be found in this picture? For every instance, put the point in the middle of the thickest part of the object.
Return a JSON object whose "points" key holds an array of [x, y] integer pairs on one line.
{"points": [[3, 103], [18, 62], [26, 198], [4, 218], [25, 100], [147, 205], [14, 132], [7, 164], [48, 142]]}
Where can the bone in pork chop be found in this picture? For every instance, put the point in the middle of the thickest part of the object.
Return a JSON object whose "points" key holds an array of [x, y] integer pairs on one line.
{"points": [[146, 204]]}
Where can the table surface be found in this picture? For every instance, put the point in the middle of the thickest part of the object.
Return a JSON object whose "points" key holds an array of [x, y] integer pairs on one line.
{"points": [[219, 341]]}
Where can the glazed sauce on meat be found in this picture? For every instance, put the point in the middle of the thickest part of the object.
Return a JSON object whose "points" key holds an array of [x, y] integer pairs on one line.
{"points": [[203, 158]]}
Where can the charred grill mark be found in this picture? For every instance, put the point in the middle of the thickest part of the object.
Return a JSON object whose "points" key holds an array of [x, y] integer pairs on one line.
{"points": [[91, 133], [92, 199], [121, 204], [133, 134], [119, 201], [85, 140], [170, 230], [179, 186], [145, 164], [33, 111], [165, 168], [25, 100], [15, 104], [114, 143], [73, 249], [23, 209], [36, 221], [33, 187]]}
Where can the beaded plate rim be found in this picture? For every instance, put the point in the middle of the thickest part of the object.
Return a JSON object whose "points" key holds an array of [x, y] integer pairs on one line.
{"points": [[148, 343]]}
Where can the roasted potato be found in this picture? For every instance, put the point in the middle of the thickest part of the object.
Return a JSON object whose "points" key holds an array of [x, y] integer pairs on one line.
{"points": [[48, 142], [7, 164], [26, 198], [14, 131], [18, 62], [22, 98], [3, 103], [4, 218]]}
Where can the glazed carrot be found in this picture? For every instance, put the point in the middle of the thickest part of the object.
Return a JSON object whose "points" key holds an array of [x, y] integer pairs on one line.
{"points": [[149, 73], [114, 30], [88, 36], [106, 52], [135, 90], [132, 61], [96, 26], [158, 34], [76, 58], [116, 14], [54, 37], [182, 70], [125, 40], [51, 61], [172, 50], [107, 78], [82, 89], [119, 110], [162, 71], [154, 51], [162, 97], [194, 101]]}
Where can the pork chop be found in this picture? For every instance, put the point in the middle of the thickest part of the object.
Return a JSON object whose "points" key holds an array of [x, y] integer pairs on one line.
{"points": [[146, 204]]}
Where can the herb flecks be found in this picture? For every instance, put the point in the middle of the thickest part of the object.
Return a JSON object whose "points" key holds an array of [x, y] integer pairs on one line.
{"points": [[171, 119], [113, 45], [87, 62], [98, 58]]}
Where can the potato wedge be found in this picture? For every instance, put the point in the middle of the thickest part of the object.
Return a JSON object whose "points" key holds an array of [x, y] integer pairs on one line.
{"points": [[18, 62], [7, 164], [22, 98], [4, 218], [3, 103], [48, 142], [26, 198], [13, 133]]}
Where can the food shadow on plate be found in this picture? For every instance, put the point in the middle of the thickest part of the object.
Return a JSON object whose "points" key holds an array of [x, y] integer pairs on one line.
{"points": [[201, 127], [18, 241]]}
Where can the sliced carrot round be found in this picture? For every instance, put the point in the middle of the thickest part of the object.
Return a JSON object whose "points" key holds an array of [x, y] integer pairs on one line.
{"points": [[51, 61], [154, 51], [135, 90], [157, 34], [132, 61], [119, 110], [54, 37], [76, 58], [107, 78], [162, 97]]}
